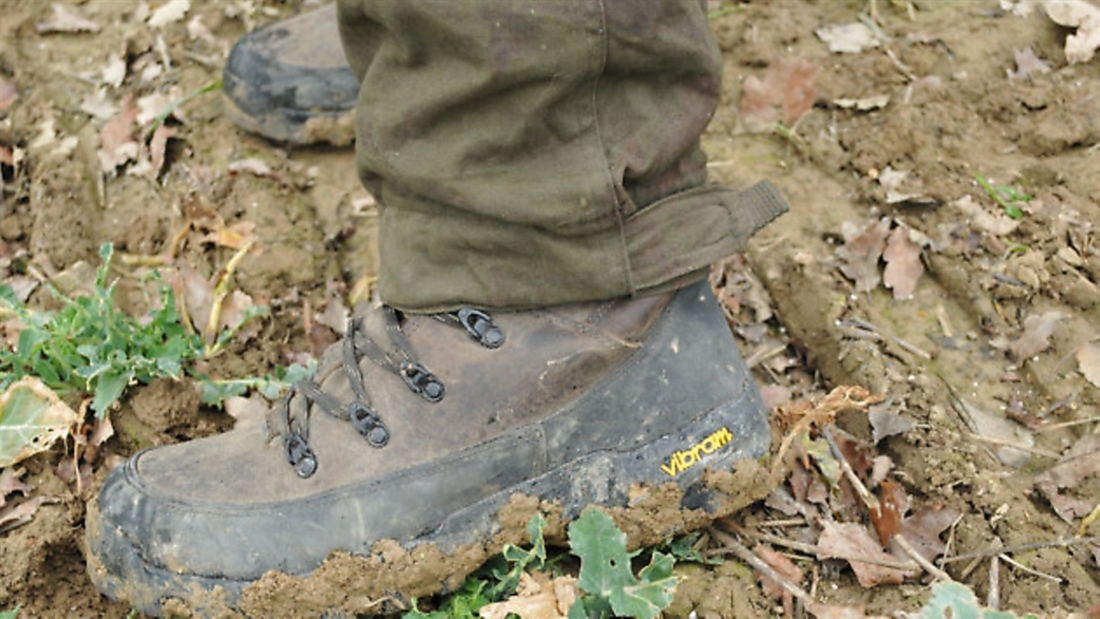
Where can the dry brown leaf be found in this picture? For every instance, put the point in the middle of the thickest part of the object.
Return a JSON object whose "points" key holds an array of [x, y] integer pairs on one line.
{"points": [[782, 565], [65, 19], [97, 105], [903, 265], [774, 395], [785, 94], [251, 165], [1077, 464], [194, 293], [1036, 337], [886, 424], [1088, 362], [886, 519], [158, 145], [171, 11], [848, 539], [1081, 46], [117, 143], [102, 429], [849, 38], [17, 515], [1027, 63], [115, 71], [32, 418], [9, 93], [10, 483], [153, 105], [537, 597], [836, 611], [861, 253], [234, 306], [923, 529]]}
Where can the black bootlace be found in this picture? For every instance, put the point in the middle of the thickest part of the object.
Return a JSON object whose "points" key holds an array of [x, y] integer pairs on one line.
{"points": [[366, 421]]}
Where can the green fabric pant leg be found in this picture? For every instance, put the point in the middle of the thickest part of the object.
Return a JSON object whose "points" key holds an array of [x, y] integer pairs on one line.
{"points": [[534, 152]]}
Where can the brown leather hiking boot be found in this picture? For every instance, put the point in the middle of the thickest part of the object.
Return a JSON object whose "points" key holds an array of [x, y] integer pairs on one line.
{"points": [[290, 81], [419, 429]]}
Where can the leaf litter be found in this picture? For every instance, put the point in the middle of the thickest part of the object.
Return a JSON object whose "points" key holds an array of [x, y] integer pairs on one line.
{"points": [[785, 94]]}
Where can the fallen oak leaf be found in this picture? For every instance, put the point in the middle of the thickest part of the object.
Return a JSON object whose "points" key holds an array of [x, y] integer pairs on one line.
{"points": [[923, 529], [903, 264], [839, 540], [785, 94], [783, 566], [1077, 464], [536, 597], [14, 516], [1036, 337], [861, 253], [158, 145], [10, 483], [117, 143], [1088, 362]]}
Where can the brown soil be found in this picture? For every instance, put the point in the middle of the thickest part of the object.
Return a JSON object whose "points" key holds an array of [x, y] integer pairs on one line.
{"points": [[939, 358]]}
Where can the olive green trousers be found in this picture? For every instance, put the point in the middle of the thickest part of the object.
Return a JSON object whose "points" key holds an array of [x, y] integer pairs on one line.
{"points": [[527, 153]]}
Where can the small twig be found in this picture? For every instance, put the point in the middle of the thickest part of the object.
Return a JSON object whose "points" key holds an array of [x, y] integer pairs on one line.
{"points": [[1023, 568], [970, 567], [1088, 520], [741, 552], [788, 522], [1068, 424], [221, 291], [814, 551], [1022, 548], [927, 356], [763, 355], [921, 561], [993, 600], [1035, 451], [870, 500]]}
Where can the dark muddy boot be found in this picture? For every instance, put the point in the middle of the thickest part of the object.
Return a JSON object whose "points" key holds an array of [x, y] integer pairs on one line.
{"points": [[421, 429], [290, 81]]}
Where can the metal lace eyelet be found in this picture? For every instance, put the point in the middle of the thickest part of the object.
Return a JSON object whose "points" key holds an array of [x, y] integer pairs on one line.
{"points": [[481, 327], [420, 380], [368, 424], [300, 455]]}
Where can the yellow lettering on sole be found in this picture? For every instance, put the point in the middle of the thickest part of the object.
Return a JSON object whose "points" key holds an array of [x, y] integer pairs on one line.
{"points": [[682, 460]]}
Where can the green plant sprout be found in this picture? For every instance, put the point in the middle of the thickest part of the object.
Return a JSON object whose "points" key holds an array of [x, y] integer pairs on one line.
{"points": [[1008, 197], [91, 347], [607, 580]]}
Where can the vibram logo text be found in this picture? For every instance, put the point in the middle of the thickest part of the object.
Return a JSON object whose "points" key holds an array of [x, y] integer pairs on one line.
{"points": [[683, 460]]}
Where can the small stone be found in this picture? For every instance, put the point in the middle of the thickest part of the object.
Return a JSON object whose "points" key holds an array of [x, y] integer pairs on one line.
{"points": [[1070, 257]]}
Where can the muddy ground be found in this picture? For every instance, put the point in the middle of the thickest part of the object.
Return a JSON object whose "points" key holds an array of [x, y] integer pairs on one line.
{"points": [[992, 358]]}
